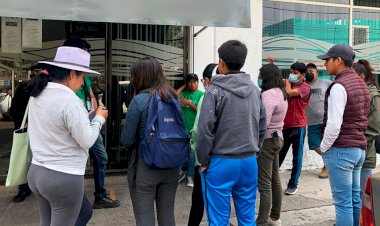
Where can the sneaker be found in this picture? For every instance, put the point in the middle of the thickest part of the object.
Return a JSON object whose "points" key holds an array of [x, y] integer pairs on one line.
{"points": [[324, 173], [182, 176], [190, 182], [291, 190], [105, 202], [272, 222], [21, 195]]}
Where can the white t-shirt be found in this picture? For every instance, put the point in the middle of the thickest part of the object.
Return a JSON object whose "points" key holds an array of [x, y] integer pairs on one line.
{"points": [[60, 132]]}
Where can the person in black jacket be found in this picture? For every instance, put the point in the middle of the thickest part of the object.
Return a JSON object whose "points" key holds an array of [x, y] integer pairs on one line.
{"points": [[18, 107]]}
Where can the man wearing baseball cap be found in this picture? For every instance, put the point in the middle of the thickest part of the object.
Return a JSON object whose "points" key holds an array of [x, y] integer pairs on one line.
{"points": [[343, 143]]}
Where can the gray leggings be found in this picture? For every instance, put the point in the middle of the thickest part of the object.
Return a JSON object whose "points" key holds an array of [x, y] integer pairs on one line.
{"points": [[149, 187], [59, 195]]}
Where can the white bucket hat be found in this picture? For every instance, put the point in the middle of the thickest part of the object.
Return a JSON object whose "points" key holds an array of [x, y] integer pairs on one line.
{"points": [[72, 58]]}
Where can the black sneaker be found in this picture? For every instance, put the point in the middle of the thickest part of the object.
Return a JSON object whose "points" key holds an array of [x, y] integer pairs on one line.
{"points": [[291, 190], [105, 202], [21, 195]]}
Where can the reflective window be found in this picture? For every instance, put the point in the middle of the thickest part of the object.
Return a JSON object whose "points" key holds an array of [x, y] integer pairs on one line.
{"points": [[370, 3], [300, 32], [129, 42], [366, 36], [347, 2]]}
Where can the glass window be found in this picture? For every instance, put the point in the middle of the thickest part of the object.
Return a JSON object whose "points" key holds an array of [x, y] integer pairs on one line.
{"points": [[131, 42], [300, 32], [366, 36], [347, 2], [369, 3]]}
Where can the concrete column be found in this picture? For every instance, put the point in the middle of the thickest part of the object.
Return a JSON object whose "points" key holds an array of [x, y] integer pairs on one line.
{"points": [[207, 43]]}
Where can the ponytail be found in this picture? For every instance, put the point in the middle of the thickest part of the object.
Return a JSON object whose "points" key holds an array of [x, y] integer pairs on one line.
{"points": [[38, 83]]}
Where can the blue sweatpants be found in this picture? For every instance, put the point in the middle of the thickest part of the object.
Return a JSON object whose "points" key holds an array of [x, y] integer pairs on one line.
{"points": [[225, 177]]}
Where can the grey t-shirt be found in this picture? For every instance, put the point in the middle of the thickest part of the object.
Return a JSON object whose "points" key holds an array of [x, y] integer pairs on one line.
{"points": [[315, 109]]}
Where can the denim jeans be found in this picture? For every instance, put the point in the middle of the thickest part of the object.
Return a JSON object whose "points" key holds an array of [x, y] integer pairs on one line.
{"points": [[190, 164], [344, 166], [99, 156], [85, 213], [296, 138], [364, 173]]}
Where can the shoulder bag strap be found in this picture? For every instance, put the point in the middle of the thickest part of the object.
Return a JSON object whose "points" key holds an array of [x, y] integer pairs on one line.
{"points": [[25, 114]]}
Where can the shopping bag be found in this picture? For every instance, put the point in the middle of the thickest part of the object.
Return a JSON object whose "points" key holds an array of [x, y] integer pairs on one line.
{"points": [[21, 155]]}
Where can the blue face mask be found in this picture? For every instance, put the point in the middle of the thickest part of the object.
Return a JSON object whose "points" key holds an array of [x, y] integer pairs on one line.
{"points": [[259, 83], [293, 79]]}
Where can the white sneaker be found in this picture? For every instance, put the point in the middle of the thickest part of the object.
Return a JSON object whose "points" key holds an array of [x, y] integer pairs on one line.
{"points": [[273, 222], [190, 182]]}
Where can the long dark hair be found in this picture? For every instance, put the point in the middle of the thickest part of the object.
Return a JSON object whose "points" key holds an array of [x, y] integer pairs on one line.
{"points": [[272, 78], [147, 74], [364, 67], [38, 83]]}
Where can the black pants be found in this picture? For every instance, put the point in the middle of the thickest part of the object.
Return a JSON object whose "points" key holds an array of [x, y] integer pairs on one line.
{"points": [[197, 207]]}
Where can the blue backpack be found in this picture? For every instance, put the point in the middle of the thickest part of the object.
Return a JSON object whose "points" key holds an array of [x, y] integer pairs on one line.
{"points": [[165, 144]]}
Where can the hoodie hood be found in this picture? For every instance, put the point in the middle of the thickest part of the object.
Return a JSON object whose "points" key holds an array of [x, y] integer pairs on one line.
{"points": [[239, 84], [373, 90]]}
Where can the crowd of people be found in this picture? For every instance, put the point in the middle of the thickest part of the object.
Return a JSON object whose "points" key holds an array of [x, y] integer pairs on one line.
{"points": [[241, 133]]}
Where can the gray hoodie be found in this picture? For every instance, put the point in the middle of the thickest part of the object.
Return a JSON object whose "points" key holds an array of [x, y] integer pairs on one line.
{"points": [[232, 121]]}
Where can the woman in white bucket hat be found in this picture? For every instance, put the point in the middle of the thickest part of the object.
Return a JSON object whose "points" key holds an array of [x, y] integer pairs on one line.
{"points": [[60, 134]]}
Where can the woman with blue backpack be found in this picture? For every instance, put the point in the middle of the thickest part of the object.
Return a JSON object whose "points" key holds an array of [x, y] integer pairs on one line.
{"points": [[154, 133]]}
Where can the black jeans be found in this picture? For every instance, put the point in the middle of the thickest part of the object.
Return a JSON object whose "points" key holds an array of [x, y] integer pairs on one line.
{"points": [[197, 207]]}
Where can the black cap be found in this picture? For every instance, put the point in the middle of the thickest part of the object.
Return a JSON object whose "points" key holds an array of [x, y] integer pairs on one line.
{"points": [[341, 50], [191, 76]]}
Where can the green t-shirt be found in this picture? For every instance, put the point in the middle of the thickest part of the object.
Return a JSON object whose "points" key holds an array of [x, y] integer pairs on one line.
{"points": [[80, 92], [194, 131], [188, 113]]}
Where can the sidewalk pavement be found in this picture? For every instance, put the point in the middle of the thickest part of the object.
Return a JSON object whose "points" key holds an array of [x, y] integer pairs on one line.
{"points": [[310, 206]]}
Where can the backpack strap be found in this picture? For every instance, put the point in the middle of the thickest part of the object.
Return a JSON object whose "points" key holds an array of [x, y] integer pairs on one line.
{"points": [[152, 113]]}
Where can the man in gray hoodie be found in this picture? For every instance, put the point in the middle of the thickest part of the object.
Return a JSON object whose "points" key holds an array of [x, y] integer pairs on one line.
{"points": [[231, 130]]}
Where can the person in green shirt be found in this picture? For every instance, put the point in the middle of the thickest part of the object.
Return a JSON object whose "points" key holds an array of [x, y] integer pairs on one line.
{"points": [[197, 206], [189, 96], [98, 151], [85, 93]]}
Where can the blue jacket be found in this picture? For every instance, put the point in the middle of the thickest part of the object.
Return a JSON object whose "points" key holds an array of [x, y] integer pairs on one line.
{"points": [[135, 120]]}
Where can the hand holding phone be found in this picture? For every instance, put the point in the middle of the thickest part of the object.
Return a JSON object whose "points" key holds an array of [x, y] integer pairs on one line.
{"points": [[102, 111]]}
